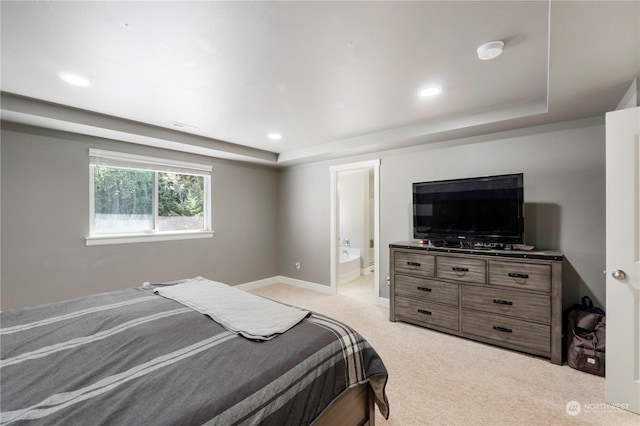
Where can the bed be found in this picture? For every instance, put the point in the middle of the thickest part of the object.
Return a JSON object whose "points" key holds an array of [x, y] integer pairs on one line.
{"points": [[138, 357]]}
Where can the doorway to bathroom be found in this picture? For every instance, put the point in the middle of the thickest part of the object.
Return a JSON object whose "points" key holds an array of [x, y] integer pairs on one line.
{"points": [[355, 218]]}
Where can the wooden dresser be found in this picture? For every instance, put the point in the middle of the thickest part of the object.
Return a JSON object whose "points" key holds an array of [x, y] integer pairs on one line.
{"points": [[506, 298]]}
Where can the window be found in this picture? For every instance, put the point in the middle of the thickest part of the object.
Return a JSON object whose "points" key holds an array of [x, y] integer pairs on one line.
{"points": [[136, 198]]}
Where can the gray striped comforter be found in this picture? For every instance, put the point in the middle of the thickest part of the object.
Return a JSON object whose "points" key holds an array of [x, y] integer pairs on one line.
{"points": [[135, 358]]}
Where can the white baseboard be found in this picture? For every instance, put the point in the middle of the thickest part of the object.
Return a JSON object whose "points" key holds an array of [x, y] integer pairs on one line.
{"points": [[383, 301], [306, 284], [257, 284], [286, 280]]}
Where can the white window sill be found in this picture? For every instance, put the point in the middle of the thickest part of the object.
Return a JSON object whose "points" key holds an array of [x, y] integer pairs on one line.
{"points": [[101, 240]]}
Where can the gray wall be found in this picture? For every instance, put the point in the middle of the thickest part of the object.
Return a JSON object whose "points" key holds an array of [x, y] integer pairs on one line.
{"points": [[564, 176], [304, 223], [45, 217], [266, 220]]}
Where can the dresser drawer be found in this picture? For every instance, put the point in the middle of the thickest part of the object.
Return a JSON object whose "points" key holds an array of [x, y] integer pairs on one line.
{"points": [[507, 330], [535, 307], [462, 269], [427, 313], [426, 290], [528, 276], [414, 263]]}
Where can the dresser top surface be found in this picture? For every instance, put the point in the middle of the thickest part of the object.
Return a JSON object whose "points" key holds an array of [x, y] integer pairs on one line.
{"points": [[518, 254]]}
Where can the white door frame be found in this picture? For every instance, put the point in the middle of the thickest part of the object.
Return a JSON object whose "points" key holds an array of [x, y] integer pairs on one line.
{"points": [[334, 170]]}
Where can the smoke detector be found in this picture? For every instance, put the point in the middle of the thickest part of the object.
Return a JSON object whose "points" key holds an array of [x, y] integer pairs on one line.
{"points": [[490, 50]]}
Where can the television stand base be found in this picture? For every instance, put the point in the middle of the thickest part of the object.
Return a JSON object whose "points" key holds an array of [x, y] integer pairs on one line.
{"points": [[467, 245]]}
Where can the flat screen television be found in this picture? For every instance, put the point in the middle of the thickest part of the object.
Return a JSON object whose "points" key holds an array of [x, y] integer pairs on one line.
{"points": [[487, 209]]}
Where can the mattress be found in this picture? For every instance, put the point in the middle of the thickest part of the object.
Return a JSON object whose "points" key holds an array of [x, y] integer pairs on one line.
{"points": [[134, 357]]}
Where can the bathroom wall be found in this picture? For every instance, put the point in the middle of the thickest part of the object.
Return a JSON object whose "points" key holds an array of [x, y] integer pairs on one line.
{"points": [[353, 203]]}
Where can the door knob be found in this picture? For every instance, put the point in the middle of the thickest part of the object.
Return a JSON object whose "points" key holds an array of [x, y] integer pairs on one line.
{"points": [[618, 274]]}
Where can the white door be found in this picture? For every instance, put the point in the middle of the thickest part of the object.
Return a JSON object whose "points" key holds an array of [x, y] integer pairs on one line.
{"points": [[622, 387]]}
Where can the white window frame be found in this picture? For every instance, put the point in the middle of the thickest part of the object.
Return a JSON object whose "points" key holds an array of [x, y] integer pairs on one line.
{"points": [[98, 157]]}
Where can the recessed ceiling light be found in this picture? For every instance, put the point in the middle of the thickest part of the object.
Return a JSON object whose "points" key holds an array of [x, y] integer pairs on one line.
{"points": [[274, 136], [75, 79], [490, 50], [430, 91]]}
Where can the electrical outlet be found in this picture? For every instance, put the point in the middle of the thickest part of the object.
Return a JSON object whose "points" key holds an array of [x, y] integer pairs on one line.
{"points": [[297, 265]]}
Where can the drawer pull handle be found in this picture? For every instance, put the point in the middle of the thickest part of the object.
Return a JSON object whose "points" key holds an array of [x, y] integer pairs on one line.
{"points": [[459, 269], [503, 329], [424, 289], [413, 263], [502, 302], [422, 311], [514, 275]]}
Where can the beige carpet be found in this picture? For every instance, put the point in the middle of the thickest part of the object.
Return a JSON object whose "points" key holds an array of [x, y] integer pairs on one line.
{"points": [[437, 379]]}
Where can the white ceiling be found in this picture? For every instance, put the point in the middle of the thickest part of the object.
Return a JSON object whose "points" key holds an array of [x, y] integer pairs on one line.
{"points": [[334, 78]]}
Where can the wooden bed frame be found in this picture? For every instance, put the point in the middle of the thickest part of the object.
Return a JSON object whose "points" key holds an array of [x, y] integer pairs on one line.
{"points": [[354, 408]]}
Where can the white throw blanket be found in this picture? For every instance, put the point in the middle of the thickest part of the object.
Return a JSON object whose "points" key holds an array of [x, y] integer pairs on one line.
{"points": [[249, 315]]}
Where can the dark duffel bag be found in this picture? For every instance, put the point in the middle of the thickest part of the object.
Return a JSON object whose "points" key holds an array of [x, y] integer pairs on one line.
{"points": [[586, 338]]}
